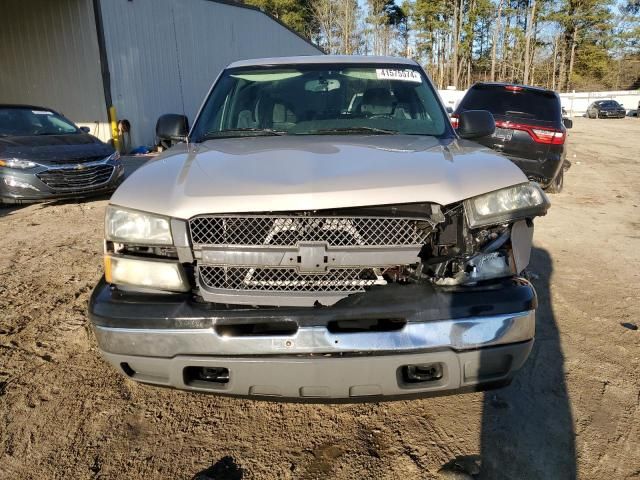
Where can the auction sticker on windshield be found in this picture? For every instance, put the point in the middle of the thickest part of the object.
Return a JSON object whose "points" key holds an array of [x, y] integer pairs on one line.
{"points": [[407, 75]]}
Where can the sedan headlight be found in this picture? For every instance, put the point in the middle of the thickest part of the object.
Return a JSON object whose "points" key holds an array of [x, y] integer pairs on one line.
{"points": [[131, 226], [17, 183], [16, 163], [507, 204]]}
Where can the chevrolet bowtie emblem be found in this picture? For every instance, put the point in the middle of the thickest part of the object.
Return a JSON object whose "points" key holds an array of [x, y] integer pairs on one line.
{"points": [[80, 167]]}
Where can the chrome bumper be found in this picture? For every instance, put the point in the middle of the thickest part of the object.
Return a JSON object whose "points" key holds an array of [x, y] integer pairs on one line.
{"points": [[461, 334], [475, 337]]}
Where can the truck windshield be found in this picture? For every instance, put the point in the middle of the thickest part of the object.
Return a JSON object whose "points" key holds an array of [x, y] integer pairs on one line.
{"points": [[321, 99]]}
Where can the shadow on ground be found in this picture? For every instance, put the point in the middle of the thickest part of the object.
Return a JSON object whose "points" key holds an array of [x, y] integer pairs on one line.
{"points": [[224, 469], [527, 427]]}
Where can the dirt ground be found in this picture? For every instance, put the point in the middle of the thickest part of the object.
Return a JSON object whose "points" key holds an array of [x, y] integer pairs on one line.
{"points": [[573, 411]]}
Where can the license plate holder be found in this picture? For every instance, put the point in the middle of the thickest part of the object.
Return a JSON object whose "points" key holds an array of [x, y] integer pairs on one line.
{"points": [[504, 134]]}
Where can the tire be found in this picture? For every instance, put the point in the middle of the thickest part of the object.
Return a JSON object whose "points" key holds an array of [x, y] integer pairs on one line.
{"points": [[557, 184]]}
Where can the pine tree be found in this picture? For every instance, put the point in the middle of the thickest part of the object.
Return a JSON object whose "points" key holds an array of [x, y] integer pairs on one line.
{"points": [[296, 14]]}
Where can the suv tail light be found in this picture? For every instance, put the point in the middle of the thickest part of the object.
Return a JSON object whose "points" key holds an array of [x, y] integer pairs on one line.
{"points": [[554, 137], [454, 120], [539, 135]]}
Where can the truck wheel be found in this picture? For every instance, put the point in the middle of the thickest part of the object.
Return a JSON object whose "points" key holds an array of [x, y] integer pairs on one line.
{"points": [[557, 183]]}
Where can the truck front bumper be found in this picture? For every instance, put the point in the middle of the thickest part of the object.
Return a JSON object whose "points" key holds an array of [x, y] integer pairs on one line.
{"points": [[456, 340]]}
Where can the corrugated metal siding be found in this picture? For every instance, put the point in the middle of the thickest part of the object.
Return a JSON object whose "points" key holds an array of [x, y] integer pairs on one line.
{"points": [[49, 57], [144, 51]]}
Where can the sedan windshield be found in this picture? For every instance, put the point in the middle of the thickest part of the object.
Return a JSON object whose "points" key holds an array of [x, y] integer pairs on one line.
{"points": [[609, 104], [321, 100], [21, 121]]}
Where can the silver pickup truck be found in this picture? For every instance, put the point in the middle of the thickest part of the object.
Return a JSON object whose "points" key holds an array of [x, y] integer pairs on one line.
{"points": [[321, 233]]}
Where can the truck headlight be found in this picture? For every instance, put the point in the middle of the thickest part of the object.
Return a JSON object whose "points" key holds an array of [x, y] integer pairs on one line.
{"points": [[16, 163], [146, 273], [131, 226], [507, 204]]}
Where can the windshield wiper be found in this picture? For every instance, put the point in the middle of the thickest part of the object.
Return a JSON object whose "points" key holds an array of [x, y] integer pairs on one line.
{"points": [[240, 132], [347, 130]]}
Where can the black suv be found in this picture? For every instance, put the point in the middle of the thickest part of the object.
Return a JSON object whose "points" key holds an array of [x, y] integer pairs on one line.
{"points": [[530, 129]]}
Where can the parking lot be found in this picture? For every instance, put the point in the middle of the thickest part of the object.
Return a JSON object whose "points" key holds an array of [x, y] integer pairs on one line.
{"points": [[574, 410]]}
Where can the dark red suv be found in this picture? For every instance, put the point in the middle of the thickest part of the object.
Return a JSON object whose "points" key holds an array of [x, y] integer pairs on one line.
{"points": [[530, 129]]}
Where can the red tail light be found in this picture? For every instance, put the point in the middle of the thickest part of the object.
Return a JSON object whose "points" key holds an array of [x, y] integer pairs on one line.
{"points": [[455, 122], [554, 137], [539, 134], [513, 88]]}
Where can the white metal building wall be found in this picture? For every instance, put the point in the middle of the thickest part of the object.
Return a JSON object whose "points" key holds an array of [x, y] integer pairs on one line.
{"points": [[49, 56], [146, 40]]}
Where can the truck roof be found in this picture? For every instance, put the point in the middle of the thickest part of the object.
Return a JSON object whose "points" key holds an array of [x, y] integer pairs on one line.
{"points": [[323, 59]]}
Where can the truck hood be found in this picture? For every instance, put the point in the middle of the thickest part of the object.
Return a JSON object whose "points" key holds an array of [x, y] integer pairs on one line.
{"points": [[280, 173]]}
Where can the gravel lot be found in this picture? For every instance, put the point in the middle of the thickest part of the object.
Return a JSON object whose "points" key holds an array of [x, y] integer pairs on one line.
{"points": [[574, 411]]}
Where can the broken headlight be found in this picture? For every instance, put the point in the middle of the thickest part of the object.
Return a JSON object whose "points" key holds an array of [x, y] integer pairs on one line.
{"points": [[505, 205]]}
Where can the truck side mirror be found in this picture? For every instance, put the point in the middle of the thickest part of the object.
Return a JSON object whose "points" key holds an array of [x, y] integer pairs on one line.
{"points": [[85, 129], [172, 127], [476, 124], [568, 123]]}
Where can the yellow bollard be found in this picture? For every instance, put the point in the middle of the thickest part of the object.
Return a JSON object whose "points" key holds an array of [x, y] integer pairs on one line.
{"points": [[114, 127]]}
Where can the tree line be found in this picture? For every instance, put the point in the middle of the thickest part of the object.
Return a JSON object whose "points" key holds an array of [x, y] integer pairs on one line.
{"points": [[563, 45]]}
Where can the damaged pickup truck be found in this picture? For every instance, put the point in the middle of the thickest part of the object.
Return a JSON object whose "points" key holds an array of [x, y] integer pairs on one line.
{"points": [[320, 234]]}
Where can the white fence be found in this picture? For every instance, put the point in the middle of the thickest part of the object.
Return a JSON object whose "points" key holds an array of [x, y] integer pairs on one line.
{"points": [[574, 103]]}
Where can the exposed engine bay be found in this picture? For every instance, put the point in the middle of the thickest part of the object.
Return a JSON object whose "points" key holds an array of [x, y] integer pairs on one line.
{"points": [[457, 254]]}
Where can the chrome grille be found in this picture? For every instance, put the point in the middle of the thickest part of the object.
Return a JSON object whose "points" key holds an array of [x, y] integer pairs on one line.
{"points": [[285, 231], [76, 178], [286, 279]]}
